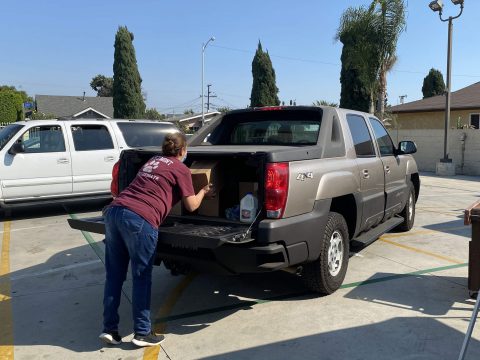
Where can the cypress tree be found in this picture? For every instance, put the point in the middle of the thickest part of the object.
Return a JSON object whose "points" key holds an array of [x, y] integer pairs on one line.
{"points": [[264, 88], [127, 92], [433, 84]]}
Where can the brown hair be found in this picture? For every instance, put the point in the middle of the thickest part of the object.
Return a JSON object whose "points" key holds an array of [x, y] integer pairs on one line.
{"points": [[174, 143]]}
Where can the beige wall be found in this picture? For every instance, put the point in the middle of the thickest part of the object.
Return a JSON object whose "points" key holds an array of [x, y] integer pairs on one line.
{"points": [[430, 148], [432, 120]]}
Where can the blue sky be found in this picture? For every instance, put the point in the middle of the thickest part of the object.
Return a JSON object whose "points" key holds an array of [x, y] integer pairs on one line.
{"points": [[55, 47]]}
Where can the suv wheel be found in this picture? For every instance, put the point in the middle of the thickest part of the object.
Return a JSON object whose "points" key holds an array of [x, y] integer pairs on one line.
{"points": [[408, 212], [326, 274]]}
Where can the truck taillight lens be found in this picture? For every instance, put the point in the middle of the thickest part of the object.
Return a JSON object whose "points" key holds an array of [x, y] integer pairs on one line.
{"points": [[276, 189], [114, 184]]}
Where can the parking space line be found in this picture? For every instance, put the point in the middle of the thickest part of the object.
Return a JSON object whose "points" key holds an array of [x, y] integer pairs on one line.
{"points": [[385, 239], [424, 232], [167, 307], [33, 227], [93, 244], [249, 303], [6, 329]]}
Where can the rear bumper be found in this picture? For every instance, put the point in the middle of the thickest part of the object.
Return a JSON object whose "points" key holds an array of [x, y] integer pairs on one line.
{"points": [[277, 244]]}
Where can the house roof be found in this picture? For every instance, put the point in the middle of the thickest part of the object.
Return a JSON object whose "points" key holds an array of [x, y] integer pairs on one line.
{"points": [[64, 106], [466, 98]]}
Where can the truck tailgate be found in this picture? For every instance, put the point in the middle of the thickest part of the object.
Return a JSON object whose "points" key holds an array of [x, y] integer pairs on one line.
{"points": [[180, 235]]}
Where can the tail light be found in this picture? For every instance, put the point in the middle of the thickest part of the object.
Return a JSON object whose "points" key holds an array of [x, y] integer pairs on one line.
{"points": [[114, 184], [276, 189]]}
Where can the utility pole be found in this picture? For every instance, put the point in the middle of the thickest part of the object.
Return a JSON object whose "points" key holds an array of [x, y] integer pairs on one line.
{"points": [[209, 96]]}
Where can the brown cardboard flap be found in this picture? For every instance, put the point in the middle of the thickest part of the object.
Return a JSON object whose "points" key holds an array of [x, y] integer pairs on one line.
{"points": [[247, 187]]}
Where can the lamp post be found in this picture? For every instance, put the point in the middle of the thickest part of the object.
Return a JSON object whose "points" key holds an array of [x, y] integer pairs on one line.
{"points": [[204, 45], [437, 6]]}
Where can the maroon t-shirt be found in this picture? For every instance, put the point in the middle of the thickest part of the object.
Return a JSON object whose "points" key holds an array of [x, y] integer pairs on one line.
{"points": [[158, 186]]}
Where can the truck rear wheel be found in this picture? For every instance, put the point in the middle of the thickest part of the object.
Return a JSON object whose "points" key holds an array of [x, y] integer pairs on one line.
{"points": [[326, 274], [408, 213]]}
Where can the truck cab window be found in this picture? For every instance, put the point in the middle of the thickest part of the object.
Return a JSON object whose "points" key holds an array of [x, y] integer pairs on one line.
{"points": [[385, 143], [362, 139], [43, 139]]}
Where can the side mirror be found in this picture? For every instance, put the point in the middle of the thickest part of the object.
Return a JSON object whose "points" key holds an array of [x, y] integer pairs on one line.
{"points": [[407, 147], [17, 148]]}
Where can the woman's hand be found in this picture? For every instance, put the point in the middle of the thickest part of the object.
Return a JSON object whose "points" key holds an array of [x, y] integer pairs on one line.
{"points": [[209, 190]]}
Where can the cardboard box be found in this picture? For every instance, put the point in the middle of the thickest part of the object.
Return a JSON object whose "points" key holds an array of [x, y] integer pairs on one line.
{"points": [[247, 187], [204, 173]]}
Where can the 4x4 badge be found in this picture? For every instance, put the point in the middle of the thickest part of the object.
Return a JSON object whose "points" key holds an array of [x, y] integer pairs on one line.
{"points": [[303, 176]]}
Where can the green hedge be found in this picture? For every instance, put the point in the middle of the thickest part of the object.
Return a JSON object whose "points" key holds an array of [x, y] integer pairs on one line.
{"points": [[11, 104]]}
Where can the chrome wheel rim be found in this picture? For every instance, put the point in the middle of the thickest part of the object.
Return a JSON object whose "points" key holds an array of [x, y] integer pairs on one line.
{"points": [[410, 207], [335, 253]]}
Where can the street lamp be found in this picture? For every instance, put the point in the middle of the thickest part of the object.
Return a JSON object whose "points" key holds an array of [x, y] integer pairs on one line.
{"points": [[437, 6], [204, 45]]}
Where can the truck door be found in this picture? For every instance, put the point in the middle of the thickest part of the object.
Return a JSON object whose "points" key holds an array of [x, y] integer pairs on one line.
{"points": [[44, 167], [371, 173], [94, 153], [395, 169]]}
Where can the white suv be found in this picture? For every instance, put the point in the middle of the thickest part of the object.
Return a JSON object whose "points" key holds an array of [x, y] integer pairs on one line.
{"points": [[59, 159]]}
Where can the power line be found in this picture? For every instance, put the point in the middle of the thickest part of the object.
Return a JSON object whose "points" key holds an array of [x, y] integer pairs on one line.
{"points": [[330, 63]]}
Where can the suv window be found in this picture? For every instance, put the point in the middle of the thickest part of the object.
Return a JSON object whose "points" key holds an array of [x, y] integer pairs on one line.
{"points": [[385, 143], [268, 127], [91, 137], [43, 139], [144, 134], [362, 139], [7, 133]]}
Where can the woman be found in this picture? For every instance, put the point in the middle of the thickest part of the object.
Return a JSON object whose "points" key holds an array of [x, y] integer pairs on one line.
{"points": [[131, 223]]}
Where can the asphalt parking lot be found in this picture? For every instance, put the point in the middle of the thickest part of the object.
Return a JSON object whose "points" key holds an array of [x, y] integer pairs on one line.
{"points": [[404, 296]]}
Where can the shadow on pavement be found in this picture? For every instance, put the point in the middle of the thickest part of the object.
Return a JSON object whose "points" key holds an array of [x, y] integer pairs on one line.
{"points": [[454, 227], [402, 338]]}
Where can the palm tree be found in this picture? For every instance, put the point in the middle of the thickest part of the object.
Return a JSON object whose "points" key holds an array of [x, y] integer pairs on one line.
{"points": [[376, 31], [389, 22], [359, 38]]}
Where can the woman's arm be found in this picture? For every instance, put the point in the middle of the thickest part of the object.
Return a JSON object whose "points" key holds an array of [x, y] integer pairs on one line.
{"points": [[193, 202]]}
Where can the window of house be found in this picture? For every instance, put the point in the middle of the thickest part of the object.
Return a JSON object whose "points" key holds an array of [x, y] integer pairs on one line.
{"points": [[91, 137], [43, 139], [475, 120], [362, 139]]}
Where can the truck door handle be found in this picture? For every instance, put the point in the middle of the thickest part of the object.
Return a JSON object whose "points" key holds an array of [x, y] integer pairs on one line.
{"points": [[109, 158], [387, 169], [63, 161], [365, 173]]}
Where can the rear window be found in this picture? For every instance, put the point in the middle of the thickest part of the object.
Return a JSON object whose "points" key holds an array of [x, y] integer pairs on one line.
{"points": [[279, 127], [144, 134]]}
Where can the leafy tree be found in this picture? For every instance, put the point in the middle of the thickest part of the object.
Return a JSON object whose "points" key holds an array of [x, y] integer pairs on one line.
{"points": [[324, 103], [224, 109], [357, 84], [128, 101], [11, 106], [433, 84], [103, 85], [372, 34], [41, 116], [182, 127], [153, 114], [188, 112], [264, 88]]}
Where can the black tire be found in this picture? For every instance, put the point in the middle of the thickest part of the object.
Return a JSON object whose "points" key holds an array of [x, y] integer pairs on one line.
{"points": [[316, 275], [408, 212]]}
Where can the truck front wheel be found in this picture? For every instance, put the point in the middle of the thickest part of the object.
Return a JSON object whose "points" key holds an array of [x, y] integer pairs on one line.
{"points": [[326, 274], [408, 213]]}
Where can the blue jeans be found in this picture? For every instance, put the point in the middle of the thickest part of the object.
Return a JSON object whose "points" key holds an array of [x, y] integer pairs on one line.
{"points": [[128, 238]]}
